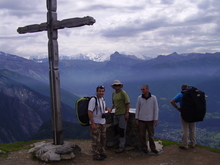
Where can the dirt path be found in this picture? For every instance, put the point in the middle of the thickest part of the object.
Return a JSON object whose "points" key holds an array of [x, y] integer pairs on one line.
{"points": [[171, 155]]}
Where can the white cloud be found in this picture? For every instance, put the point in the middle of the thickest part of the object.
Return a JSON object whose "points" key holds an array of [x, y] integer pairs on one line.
{"points": [[140, 27]]}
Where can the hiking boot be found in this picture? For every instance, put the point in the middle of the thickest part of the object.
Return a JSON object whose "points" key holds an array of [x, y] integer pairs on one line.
{"points": [[119, 150], [145, 151], [182, 147], [116, 146], [192, 145], [99, 158], [155, 151], [103, 155]]}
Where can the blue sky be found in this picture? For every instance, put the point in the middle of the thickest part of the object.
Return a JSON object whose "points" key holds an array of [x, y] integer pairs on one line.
{"points": [[140, 27]]}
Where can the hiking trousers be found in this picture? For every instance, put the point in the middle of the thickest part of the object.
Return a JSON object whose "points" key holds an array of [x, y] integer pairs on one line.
{"points": [[188, 132], [149, 127], [120, 125], [98, 139]]}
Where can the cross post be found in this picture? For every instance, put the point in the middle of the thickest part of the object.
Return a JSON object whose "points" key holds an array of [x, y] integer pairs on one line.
{"points": [[51, 26]]}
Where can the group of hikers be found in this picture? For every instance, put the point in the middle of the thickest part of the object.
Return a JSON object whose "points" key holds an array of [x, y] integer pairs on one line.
{"points": [[146, 118]]}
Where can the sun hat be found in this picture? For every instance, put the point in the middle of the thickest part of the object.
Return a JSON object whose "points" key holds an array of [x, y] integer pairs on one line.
{"points": [[117, 82]]}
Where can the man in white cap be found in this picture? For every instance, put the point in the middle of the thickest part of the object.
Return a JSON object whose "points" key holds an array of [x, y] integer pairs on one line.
{"points": [[121, 103]]}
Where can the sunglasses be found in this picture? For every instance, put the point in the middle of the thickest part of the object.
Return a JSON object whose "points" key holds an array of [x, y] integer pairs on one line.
{"points": [[117, 85], [100, 87]]}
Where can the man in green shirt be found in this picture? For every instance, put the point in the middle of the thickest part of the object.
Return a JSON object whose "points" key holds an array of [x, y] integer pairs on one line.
{"points": [[121, 103]]}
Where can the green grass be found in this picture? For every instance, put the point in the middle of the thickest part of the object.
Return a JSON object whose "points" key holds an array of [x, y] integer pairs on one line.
{"points": [[209, 148], [12, 146], [167, 143], [17, 146]]}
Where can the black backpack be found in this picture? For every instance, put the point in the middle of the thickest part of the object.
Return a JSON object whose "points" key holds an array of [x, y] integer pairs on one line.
{"points": [[82, 110], [193, 105]]}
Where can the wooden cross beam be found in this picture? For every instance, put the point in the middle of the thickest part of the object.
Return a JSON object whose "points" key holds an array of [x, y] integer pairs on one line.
{"points": [[51, 26], [66, 23]]}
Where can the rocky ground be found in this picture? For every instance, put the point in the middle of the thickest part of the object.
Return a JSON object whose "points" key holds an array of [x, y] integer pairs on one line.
{"points": [[171, 155]]}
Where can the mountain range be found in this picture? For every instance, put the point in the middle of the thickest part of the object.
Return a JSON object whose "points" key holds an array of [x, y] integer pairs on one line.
{"points": [[25, 83], [90, 56]]}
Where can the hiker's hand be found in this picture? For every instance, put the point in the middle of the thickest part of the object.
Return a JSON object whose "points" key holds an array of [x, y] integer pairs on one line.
{"points": [[136, 121], [126, 116], [109, 110], [93, 126], [155, 122]]}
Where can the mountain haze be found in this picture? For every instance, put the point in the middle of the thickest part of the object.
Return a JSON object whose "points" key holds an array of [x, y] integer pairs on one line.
{"points": [[23, 110], [164, 75], [40, 87]]}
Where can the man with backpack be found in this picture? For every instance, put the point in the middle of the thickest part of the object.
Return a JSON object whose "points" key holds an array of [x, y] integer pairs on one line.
{"points": [[121, 103], [96, 113], [188, 128]]}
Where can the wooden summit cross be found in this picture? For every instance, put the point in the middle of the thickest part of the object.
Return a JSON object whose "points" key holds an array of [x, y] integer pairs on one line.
{"points": [[51, 26]]}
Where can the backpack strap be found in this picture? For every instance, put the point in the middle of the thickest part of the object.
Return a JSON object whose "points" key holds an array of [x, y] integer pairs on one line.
{"points": [[96, 104], [102, 107]]}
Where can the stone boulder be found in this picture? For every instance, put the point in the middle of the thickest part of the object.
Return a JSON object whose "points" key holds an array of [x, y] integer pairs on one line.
{"points": [[50, 152]]}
